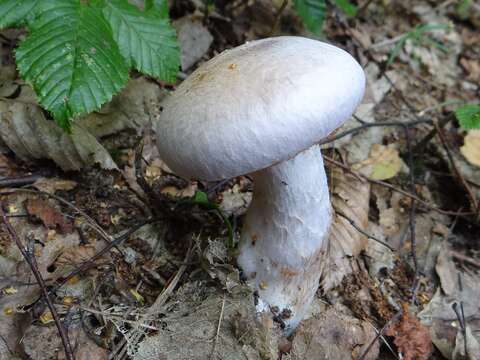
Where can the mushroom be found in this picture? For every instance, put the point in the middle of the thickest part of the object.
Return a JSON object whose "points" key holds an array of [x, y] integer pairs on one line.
{"points": [[261, 109]]}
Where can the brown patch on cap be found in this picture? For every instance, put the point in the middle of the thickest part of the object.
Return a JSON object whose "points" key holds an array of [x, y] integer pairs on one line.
{"points": [[254, 239], [288, 272]]}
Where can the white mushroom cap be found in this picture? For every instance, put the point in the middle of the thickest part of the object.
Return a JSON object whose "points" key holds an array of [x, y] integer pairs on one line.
{"points": [[256, 105]]}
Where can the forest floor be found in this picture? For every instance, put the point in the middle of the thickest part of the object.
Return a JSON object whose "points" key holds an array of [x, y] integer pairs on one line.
{"points": [[138, 264]]}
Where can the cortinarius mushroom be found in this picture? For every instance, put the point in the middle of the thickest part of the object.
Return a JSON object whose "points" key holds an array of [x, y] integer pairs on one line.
{"points": [[260, 109]]}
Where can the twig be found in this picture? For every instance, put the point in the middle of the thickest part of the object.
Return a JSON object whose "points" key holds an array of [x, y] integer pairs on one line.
{"points": [[411, 218], [394, 188], [90, 221], [91, 261], [30, 259], [379, 334], [366, 125], [470, 193], [278, 15], [19, 181], [461, 320], [212, 355], [364, 232], [384, 341], [422, 143], [155, 307], [465, 258]]}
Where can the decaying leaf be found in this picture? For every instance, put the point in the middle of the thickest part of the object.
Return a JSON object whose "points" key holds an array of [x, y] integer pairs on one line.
{"points": [[350, 198], [44, 343], [467, 346], [51, 217], [194, 39], [471, 147], [133, 108], [383, 163], [411, 337], [333, 334], [52, 185], [26, 131], [459, 289]]}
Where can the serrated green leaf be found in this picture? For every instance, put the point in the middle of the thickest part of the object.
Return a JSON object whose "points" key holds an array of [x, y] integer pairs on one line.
{"points": [[347, 7], [148, 42], [71, 59], [312, 13], [159, 7], [16, 12], [468, 116]]}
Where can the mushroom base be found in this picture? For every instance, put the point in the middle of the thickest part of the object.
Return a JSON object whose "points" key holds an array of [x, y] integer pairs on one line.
{"points": [[285, 234]]}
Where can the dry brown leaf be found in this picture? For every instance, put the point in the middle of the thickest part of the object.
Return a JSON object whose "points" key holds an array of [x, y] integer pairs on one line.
{"points": [[76, 255], [49, 215], [52, 185], [350, 199], [471, 147], [383, 163], [472, 67], [334, 334], [26, 131], [411, 337]]}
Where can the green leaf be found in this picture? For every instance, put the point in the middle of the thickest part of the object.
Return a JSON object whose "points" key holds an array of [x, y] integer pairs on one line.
{"points": [[347, 7], [312, 13], [201, 198], [159, 7], [468, 116], [71, 59], [148, 42], [16, 12]]}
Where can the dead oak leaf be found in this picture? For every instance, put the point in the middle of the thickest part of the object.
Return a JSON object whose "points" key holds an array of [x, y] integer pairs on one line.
{"points": [[411, 337], [383, 163], [471, 147], [51, 217]]}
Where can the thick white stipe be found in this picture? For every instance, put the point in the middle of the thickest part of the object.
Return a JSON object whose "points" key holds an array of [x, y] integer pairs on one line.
{"points": [[284, 235]]}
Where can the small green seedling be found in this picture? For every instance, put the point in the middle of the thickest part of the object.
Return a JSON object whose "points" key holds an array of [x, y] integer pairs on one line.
{"points": [[200, 198], [468, 116], [313, 12], [419, 35]]}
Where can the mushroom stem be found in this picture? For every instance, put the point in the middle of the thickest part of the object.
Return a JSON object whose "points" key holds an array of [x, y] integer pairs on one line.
{"points": [[285, 235]]}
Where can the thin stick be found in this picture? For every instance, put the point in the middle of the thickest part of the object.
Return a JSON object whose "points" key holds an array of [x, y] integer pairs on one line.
{"points": [[91, 261], [156, 307], [380, 333], [278, 15], [90, 221], [465, 258], [366, 125], [411, 218], [364, 232], [392, 187], [471, 194], [30, 259], [218, 329]]}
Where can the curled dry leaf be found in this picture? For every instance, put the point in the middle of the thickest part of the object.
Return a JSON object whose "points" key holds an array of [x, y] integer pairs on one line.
{"points": [[383, 163], [51, 217], [26, 131], [52, 185], [471, 147], [350, 199], [411, 337]]}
